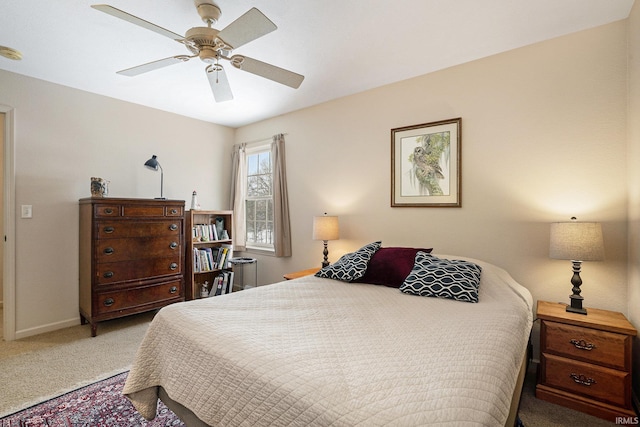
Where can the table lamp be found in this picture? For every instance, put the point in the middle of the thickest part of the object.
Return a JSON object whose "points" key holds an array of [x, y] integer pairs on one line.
{"points": [[154, 164], [325, 228], [577, 242]]}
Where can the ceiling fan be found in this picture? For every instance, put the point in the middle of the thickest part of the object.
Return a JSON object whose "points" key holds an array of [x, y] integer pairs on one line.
{"points": [[212, 46]]}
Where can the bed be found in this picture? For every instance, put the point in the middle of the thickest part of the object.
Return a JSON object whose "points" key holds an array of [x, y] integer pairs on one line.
{"points": [[317, 351]]}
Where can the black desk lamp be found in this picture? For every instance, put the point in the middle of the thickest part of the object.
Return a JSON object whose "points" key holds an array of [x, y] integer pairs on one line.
{"points": [[154, 164]]}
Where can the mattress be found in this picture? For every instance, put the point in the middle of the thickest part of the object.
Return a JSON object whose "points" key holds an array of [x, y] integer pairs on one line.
{"points": [[316, 351]]}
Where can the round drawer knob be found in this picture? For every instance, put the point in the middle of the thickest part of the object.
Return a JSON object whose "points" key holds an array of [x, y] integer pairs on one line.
{"points": [[108, 211], [109, 230], [173, 245], [109, 302], [108, 274], [173, 266], [173, 227], [109, 250], [173, 289], [174, 211]]}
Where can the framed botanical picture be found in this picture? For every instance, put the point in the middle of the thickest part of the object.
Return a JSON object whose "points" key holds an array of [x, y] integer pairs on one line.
{"points": [[425, 164]]}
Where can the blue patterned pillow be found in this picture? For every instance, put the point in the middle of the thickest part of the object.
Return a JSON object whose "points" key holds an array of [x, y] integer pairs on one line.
{"points": [[350, 266], [442, 278]]}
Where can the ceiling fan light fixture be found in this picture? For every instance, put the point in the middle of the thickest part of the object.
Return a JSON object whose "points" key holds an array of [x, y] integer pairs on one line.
{"points": [[208, 56], [10, 53]]}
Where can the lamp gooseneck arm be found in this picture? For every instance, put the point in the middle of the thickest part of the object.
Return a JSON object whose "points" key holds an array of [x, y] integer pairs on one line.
{"points": [[161, 181]]}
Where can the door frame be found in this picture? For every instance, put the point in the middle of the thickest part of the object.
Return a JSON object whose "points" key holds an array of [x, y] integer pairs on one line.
{"points": [[9, 225]]}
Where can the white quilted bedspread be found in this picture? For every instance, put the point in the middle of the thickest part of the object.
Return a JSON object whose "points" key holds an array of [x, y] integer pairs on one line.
{"points": [[321, 352]]}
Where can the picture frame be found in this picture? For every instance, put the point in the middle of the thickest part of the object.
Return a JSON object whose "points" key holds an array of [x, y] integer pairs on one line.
{"points": [[426, 164]]}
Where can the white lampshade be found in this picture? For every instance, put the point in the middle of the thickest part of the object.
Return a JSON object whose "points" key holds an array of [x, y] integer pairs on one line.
{"points": [[325, 228], [579, 241]]}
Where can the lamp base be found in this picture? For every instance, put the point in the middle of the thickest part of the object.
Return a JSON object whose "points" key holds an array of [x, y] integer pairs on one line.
{"points": [[325, 252], [576, 310], [159, 198], [576, 299]]}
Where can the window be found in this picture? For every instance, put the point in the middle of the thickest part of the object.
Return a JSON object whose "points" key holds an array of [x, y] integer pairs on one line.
{"points": [[259, 199]]}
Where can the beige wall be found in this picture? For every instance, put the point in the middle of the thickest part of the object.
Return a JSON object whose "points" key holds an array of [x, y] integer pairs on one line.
{"points": [[544, 137], [633, 161], [2, 130], [63, 138]]}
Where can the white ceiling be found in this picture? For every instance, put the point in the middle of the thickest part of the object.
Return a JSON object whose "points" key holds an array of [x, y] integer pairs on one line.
{"points": [[340, 46]]}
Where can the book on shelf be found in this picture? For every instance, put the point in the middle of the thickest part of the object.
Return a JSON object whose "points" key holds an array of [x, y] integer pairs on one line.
{"points": [[227, 254], [222, 284], [204, 233]]}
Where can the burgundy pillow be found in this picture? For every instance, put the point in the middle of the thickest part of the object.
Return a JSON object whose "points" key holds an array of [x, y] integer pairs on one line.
{"points": [[390, 266]]}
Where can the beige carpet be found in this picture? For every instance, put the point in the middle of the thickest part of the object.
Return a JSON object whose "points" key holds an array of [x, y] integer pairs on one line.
{"points": [[36, 368]]}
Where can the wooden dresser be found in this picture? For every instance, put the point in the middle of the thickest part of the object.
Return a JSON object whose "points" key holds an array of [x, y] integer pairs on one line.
{"points": [[585, 361], [131, 256]]}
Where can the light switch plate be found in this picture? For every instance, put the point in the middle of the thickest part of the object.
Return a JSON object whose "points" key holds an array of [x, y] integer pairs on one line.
{"points": [[27, 211]]}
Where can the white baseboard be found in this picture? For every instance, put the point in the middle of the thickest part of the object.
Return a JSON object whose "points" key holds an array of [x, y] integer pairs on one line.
{"points": [[47, 328]]}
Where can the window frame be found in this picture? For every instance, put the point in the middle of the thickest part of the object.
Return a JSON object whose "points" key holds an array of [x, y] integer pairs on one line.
{"points": [[252, 245]]}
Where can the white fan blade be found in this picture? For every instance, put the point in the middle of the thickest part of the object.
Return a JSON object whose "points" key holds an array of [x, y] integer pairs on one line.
{"points": [[150, 66], [137, 21], [219, 83], [246, 28], [268, 71]]}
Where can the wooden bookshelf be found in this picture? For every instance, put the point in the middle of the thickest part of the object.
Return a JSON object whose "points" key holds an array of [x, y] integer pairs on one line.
{"points": [[201, 237]]}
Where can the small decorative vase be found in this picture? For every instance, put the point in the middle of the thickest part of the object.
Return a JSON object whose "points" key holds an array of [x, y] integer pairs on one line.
{"points": [[99, 187]]}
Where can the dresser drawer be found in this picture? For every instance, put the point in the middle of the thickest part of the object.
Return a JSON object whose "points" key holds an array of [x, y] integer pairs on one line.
{"points": [[124, 229], [588, 345], [593, 381], [108, 302], [124, 271], [108, 211], [155, 210], [113, 250]]}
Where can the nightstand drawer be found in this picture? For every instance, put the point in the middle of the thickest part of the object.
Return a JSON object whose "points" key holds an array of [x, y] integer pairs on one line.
{"points": [[589, 345], [597, 382]]}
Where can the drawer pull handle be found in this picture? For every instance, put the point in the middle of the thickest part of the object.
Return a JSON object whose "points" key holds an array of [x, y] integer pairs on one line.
{"points": [[174, 211], [108, 211], [108, 250], [109, 230], [109, 302], [173, 227], [173, 266], [583, 345], [173, 245], [108, 275], [581, 379], [173, 290]]}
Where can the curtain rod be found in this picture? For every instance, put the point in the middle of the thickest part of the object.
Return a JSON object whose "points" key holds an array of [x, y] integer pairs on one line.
{"points": [[255, 141]]}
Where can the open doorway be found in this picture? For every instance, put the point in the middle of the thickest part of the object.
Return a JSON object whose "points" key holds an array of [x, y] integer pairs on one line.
{"points": [[2, 131], [7, 220]]}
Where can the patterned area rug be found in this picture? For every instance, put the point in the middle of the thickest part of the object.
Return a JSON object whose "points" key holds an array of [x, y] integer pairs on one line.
{"points": [[98, 404]]}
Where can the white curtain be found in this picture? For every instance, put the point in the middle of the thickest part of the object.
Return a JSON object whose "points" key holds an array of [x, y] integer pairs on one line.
{"points": [[281, 224], [238, 193]]}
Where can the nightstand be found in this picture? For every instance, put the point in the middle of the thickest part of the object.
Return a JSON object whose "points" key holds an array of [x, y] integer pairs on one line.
{"points": [[585, 360], [301, 273]]}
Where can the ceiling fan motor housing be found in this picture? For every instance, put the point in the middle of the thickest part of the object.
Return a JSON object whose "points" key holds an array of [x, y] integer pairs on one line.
{"points": [[204, 42]]}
